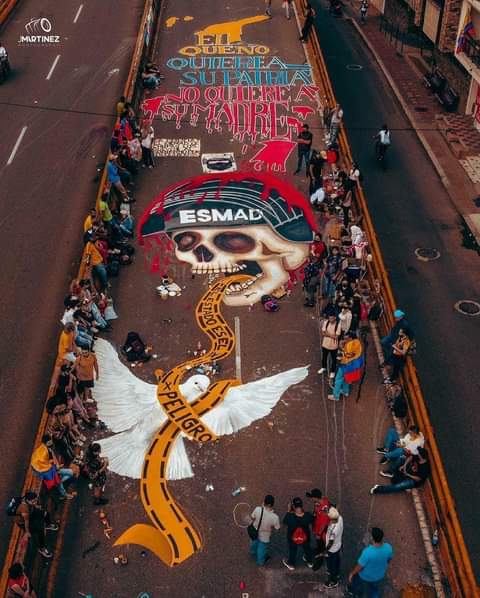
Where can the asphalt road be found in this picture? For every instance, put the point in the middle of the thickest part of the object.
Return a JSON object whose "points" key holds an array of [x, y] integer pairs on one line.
{"points": [[411, 209], [46, 187]]}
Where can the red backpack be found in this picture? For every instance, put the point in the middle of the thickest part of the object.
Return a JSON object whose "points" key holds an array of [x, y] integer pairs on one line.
{"points": [[299, 536]]}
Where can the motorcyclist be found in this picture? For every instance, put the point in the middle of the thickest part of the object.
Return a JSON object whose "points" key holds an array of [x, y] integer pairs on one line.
{"points": [[383, 140]]}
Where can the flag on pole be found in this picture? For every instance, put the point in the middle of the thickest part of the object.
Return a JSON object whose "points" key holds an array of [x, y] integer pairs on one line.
{"points": [[467, 31]]}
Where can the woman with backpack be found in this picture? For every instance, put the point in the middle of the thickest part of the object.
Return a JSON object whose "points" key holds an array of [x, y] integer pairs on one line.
{"points": [[298, 533]]}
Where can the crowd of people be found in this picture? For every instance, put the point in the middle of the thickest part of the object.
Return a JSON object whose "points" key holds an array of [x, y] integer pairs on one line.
{"points": [[64, 456], [318, 533]]}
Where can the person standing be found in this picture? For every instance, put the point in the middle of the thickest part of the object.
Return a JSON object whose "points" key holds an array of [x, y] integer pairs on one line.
{"points": [[400, 323], [86, 372], [363, 10], [268, 8], [331, 330], [265, 521], [307, 24], [35, 522], [304, 143], [298, 533], [371, 567], [312, 279], [315, 170], [96, 470], [334, 544], [147, 134], [287, 5], [335, 122], [321, 506]]}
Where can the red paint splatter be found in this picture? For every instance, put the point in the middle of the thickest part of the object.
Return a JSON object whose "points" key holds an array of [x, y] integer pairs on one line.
{"points": [[273, 155]]}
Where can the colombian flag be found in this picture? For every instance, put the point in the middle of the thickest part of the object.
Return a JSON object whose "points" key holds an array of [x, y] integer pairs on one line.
{"points": [[468, 31], [352, 365], [43, 467]]}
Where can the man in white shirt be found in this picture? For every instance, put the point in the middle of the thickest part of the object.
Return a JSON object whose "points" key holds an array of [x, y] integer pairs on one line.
{"points": [[265, 521], [333, 546], [396, 449]]}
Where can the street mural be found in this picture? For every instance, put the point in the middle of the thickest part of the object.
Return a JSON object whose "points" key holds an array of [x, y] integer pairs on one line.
{"points": [[246, 232], [228, 85]]}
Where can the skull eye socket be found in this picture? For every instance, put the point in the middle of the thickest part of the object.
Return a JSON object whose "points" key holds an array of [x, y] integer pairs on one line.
{"points": [[186, 241], [234, 242]]}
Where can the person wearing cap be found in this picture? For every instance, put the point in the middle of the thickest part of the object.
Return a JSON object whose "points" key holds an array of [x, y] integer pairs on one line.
{"points": [[400, 323], [367, 575], [321, 506], [304, 143], [412, 474], [298, 524], [265, 520], [333, 540]]}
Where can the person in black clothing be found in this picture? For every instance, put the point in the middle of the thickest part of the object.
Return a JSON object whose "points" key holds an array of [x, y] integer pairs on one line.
{"points": [[298, 533], [307, 25], [315, 171], [311, 281], [304, 144], [412, 474]]}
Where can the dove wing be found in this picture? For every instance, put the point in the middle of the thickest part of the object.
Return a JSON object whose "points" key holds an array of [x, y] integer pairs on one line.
{"points": [[248, 402], [123, 399]]}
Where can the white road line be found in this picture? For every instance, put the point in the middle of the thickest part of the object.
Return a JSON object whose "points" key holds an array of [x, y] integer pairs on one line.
{"points": [[15, 147], [52, 68], [80, 8], [238, 349]]}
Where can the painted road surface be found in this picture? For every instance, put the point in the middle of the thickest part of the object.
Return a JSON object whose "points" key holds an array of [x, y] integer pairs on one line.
{"points": [[263, 423]]}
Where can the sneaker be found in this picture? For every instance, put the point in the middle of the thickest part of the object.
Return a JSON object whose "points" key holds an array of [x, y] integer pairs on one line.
{"points": [[373, 488], [386, 474], [53, 527], [331, 375], [331, 398], [44, 552], [321, 371], [383, 460], [309, 564], [287, 565], [331, 584], [380, 450], [150, 166]]}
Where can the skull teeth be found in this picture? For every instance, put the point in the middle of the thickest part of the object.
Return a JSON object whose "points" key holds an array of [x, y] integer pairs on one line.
{"points": [[205, 268]]}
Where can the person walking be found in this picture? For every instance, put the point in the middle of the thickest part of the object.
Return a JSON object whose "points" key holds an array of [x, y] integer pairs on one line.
{"points": [[363, 11], [367, 575], [304, 143], [331, 330], [307, 24], [335, 122], [265, 520], [287, 5], [298, 533], [333, 539]]}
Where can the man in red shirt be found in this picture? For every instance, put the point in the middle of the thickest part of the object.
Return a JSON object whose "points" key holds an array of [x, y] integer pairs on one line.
{"points": [[321, 504]]}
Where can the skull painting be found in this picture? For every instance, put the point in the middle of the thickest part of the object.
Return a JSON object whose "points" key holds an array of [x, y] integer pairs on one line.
{"points": [[233, 223], [253, 250]]}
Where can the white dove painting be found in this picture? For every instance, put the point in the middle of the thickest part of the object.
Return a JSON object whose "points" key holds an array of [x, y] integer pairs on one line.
{"points": [[130, 408]]}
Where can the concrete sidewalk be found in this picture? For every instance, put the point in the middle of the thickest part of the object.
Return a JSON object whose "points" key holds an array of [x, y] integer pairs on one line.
{"points": [[306, 441], [440, 133]]}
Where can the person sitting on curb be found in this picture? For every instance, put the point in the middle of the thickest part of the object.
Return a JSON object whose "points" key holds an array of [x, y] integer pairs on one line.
{"points": [[396, 362], [371, 567], [46, 465], [400, 322], [265, 520], [412, 474], [18, 583], [35, 521], [395, 449]]}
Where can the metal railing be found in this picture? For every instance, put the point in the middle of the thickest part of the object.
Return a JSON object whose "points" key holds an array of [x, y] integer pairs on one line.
{"points": [[439, 503]]}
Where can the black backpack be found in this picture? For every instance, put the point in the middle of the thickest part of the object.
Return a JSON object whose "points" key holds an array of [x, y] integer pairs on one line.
{"points": [[13, 505]]}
